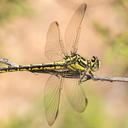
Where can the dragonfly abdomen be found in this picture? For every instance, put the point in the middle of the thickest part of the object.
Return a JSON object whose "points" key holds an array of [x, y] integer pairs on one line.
{"points": [[34, 68]]}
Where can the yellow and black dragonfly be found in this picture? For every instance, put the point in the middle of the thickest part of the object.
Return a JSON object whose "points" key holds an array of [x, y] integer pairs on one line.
{"points": [[66, 66]]}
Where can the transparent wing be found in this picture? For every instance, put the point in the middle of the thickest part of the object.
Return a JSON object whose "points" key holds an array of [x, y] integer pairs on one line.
{"points": [[54, 48], [52, 98], [75, 94], [72, 32]]}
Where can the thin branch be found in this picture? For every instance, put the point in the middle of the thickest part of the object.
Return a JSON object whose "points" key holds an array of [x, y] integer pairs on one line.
{"points": [[96, 78], [110, 79], [8, 62]]}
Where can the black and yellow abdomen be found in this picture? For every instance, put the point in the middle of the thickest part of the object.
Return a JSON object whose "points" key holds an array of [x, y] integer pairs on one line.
{"points": [[44, 68]]}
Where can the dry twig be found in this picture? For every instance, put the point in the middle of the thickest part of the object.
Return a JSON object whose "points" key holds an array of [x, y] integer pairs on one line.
{"points": [[111, 79]]}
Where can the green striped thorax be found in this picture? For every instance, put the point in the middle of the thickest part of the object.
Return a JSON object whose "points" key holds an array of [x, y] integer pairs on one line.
{"points": [[78, 63]]}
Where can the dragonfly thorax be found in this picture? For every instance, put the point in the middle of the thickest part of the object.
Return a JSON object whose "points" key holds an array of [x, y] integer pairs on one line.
{"points": [[78, 63]]}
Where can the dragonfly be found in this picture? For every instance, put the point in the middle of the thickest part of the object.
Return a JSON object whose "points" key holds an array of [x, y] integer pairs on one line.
{"points": [[67, 67]]}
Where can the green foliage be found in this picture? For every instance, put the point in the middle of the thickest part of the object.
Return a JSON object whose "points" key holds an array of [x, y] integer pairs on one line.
{"points": [[121, 45], [12, 8], [32, 118], [102, 30], [17, 122], [122, 8], [117, 46]]}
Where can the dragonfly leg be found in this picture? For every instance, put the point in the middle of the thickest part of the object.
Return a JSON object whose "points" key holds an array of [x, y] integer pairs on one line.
{"points": [[84, 76], [91, 74]]}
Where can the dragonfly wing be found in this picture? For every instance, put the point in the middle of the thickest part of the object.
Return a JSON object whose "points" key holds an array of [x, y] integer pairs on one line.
{"points": [[72, 32], [52, 98], [54, 48], [75, 94]]}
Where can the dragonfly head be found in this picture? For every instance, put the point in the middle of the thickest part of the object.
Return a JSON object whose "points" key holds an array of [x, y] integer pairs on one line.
{"points": [[95, 64]]}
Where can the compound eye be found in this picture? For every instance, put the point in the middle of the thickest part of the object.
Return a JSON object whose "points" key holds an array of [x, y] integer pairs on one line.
{"points": [[93, 59], [94, 65]]}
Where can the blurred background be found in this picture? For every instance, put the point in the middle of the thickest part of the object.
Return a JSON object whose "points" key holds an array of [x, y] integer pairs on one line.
{"points": [[23, 29]]}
